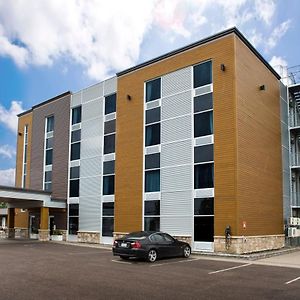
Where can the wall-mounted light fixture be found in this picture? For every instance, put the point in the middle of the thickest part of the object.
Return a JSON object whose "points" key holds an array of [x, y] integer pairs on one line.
{"points": [[223, 68], [262, 87], [20, 133], [128, 97]]}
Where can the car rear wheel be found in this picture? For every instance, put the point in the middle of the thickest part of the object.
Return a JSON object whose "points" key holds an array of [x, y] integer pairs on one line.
{"points": [[124, 257], [186, 251], [152, 255]]}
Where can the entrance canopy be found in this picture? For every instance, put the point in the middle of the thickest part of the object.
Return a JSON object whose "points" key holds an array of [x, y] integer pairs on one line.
{"points": [[27, 198]]}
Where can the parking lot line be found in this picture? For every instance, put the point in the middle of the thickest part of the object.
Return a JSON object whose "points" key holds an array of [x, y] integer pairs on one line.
{"points": [[293, 280], [121, 262], [175, 262], [228, 269]]}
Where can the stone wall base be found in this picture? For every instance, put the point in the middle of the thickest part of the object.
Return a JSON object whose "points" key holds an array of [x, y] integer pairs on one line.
{"points": [[22, 233], [92, 237], [3, 234], [44, 235], [249, 244], [10, 233]]}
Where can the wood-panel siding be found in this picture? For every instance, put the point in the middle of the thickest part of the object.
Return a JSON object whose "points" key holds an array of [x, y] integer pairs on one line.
{"points": [[259, 170], [60, 108], [130, 124]]}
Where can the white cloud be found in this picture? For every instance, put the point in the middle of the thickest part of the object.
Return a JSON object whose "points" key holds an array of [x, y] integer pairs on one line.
{"points": [[265, 10], [7, 151], [7, 177], [277, 34], [9, 117], [280, 66]]}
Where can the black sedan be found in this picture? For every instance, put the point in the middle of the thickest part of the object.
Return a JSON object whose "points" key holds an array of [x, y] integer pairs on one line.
{"points": [[150, 245]]}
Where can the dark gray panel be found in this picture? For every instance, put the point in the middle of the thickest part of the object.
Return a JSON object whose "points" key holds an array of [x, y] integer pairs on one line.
{"points": [[203, 102], [60, 109], [204, 153], [109, 167], [110, 127], [152, 161], [153, 115]]}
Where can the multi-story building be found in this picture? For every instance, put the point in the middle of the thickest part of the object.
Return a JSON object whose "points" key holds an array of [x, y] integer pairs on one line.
{"points": [[189, 143]]}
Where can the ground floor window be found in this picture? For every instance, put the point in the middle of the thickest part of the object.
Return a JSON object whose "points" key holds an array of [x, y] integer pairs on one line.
{"points": [[108, 209], [204, 219], [73, 218], [152, 215]]}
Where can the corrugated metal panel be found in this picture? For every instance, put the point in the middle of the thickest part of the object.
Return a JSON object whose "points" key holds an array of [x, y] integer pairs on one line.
{"points": [[91, 167], [110, 117], [92, 109], [90, 186], [177, 153], [177, 81], [178, 178], [204, 140], [74, 163], [93, 92], [176, 129], [76, 99], [177, 225], [110, 86], [92, 128], [177, 203], [204, 90], [152, 196], [91, 147], [76, 126], [153, 104], [177, 105], [109, 157], [90, 214], [152, 149], [108, 198], [205, 193]]}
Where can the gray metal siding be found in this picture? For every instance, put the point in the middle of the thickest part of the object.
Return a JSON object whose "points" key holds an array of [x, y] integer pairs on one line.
{"points": [[60, 108]]}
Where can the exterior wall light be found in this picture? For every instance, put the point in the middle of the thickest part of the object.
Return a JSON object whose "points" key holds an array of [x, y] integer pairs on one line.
{"points": [[128, 97], [223, 68], [262, 88]]}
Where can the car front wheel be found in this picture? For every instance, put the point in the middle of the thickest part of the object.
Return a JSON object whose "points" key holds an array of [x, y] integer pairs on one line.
{"points": [[186, 251], [152, 255]]}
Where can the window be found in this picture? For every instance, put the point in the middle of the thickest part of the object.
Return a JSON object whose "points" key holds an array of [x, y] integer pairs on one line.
{"points": [[110, 103], [48, 186], [202, 74], [109, 167], [203, 102], [76, 136], [109, 185], [152, 161], [48, 176], [110, 127], [74, 188], [151, 223], [109, 143], [76, 115], [24, 172], [73, 218], [152, 181], [74, 172], [50, 124], [108, 219], [203, 206], [204, 229], [74, 210], [152, 135], [204, 176], [108, 209], [153, 115], [49, 157], [153, 88], [204, 153], [75, 151], [203, 124], [49, 143], [152, 208]]}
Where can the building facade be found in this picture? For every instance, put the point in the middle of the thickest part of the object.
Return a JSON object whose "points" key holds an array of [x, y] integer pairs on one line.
{"points": [[189, 143]]}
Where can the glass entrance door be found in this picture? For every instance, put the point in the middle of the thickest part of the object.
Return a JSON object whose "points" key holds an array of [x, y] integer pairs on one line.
{"points": [[33, 227]]}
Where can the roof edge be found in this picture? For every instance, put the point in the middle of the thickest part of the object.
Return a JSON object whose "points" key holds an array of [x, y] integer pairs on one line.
{"points": [[201, 42], [18, 189]]}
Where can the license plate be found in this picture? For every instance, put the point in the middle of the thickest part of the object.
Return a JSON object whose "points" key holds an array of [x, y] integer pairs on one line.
{"points": [[124, 245]]}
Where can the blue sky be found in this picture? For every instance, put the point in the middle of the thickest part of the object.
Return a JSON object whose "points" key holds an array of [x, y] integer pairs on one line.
{"points": [[68, 45]]}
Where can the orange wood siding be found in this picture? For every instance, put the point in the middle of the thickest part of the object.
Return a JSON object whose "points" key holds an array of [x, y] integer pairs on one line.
{"points": [[130, 124], [259, 172]]}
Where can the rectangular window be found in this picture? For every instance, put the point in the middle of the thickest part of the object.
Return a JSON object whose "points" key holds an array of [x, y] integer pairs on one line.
{"points": [[203, 206], [49, 143], [48, 186], [110, 127], [25, 154], [152, 181], [50, 124], [153, 115], [152, 161], [152, 135], [152, 208], [110, 103], [73, 225], [109, 185], [108, 209], [152, 223], [204, 229], [203, 102], [203, 124], [48, 176], [204, 176], [76, 115], [74, 210], [202, 74], [107, 226], [75, 151], [153, 89], [74, 188], [49, 157], [109, 144], [74, 172], [204, 153], [109, 167], [76, 136]]}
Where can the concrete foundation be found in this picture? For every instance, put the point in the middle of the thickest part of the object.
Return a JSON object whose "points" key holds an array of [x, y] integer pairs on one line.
{"points": [[249, 244]]}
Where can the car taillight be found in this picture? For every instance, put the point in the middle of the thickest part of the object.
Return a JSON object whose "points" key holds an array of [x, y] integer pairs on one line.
{"points": [[115, 243], [136, 245]]}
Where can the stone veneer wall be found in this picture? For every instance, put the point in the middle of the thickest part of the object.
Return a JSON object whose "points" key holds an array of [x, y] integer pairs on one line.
{"points": [[249, 244], [44, 235], [22, 233], [92, 237], [3, 234]]}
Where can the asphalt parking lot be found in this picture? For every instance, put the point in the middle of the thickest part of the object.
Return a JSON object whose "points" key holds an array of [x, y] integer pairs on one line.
{"points": [[35, 270]]}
